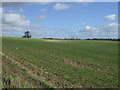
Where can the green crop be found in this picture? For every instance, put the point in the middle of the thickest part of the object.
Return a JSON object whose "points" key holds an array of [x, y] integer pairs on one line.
{"points": [[67, 63]]}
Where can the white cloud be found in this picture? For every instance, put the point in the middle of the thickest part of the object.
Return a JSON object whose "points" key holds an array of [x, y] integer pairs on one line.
{"points": [[89, 28], [15, 19], [112, 24], [110, 30], [61, 6], [43, 10], [44, 3], [14, 24], [41, 17], [1, 10], [20, 10], [112, 27], [1, 13], [110, 17]]}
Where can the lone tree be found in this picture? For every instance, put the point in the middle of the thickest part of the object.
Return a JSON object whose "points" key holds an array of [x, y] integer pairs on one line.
{"points": [[27, 34]]}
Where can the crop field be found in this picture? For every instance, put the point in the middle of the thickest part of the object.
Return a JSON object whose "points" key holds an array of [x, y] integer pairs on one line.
{"points": [[43, 63]]}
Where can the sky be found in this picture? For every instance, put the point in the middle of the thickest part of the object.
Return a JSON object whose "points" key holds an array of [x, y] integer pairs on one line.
{"points": [[60, 19]]}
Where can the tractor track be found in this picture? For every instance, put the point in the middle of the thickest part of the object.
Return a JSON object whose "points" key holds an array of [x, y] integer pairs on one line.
{"points": [[40, 73]]}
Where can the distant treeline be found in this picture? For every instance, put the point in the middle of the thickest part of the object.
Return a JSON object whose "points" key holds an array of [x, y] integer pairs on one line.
{"points": [[63, 38], [107, 39]]}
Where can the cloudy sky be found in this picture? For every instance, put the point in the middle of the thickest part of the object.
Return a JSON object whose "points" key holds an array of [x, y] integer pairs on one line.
{"points": [[60, 20]]}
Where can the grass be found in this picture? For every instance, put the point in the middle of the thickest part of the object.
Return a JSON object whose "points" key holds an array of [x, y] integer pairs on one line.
{"points": [[67, 63], [12, 76]]}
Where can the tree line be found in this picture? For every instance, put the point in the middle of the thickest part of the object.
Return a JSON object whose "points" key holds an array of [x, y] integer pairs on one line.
{"points": [[28, 35], [107, 39]]}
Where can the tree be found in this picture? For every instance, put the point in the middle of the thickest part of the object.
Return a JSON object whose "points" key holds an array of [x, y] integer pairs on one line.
{"points": [[27, 34]]}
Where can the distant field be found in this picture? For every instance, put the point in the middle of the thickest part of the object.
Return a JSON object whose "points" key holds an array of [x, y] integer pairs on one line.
{"points": [[40, 63]]}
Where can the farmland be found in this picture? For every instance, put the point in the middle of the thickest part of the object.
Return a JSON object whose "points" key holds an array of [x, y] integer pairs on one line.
{"points": [[39, 63]]}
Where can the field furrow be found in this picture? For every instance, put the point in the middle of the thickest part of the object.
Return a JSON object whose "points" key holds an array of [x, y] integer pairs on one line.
{"points": [[67, 63]]}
